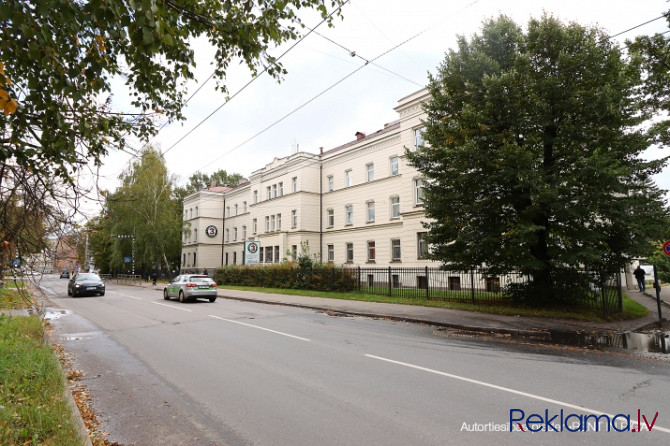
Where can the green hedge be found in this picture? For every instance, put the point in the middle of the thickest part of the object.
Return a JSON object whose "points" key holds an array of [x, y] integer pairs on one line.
{"points": [[318, 277]]}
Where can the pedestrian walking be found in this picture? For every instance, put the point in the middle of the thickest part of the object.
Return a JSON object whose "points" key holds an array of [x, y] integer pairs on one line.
{"points": [[154, 276], [639, 275]]}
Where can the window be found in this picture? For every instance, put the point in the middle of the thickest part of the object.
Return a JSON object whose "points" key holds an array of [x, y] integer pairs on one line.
{"points": [[244, 232], [254, 226], [418, 192], [349, 214], [395, 250], [331, 183], [394, 165], [330, 220], [234, 233], [227, 234], [260, 255], [273, 222], [294, 218], [395, 206], [268, 254], [371, 251], [418, 138], [235, 209], [268, 191], [350, 252], [244, 207], [195, 255], [255, 197], [184, 259], [227, 211], [371, 210], [348, 178], [274, 191], [278, 222], [267, 224], [276, 253], [281, 188], [226, 258], [421, 245], [294, 252], [331, 253], [195, 235], [235, 258], [196, 211], [190, 213], [294, 184], [370, 169]]}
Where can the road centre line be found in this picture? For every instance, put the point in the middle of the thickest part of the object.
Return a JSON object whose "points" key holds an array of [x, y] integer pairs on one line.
{"points": [[261, 328], [172, 306], [128, 295], [506, 389]]}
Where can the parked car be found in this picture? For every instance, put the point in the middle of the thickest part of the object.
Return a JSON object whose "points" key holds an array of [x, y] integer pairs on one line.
{"points": [[190, 287], [85, 283], [65, 275]]}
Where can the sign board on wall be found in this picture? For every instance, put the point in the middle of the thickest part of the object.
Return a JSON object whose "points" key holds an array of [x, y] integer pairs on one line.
{"points": [[252, 252]]}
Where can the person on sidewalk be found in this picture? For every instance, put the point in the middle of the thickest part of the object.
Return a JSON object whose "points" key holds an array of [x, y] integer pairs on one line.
{"points": [[639, 275]]}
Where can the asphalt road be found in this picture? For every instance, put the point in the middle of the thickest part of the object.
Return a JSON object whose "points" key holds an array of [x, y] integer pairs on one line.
{"points": [[240, 373]]}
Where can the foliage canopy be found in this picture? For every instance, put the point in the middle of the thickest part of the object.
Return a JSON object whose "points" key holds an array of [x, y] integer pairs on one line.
{"points": [[533, 156]]}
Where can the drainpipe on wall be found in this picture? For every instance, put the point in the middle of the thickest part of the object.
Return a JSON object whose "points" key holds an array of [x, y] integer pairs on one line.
{"points": [[223, 227], [321, 209]]}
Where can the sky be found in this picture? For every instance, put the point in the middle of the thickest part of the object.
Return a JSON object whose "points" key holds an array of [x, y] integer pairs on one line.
{"points": [[329, 94]]}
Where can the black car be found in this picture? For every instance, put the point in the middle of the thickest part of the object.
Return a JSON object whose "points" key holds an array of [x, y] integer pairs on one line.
{"points": [[85, 283]]}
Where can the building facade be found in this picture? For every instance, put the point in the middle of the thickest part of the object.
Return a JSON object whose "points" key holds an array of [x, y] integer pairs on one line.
{"points": [[359, 204]]}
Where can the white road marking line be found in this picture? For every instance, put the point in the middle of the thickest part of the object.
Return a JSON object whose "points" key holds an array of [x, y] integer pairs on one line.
{"points": [[172, 306], [261, 328], [127, 295], [507, 389]]}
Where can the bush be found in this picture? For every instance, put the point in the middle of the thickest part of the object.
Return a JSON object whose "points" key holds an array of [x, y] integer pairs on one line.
{"points": [[289, 276]]}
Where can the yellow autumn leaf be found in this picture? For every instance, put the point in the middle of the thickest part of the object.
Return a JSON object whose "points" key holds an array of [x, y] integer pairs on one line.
{"points": [[2, 68]]}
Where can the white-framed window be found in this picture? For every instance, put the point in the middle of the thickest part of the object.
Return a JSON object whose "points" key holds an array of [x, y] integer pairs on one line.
{"points": [[348, 178], [234, 233], [372, 255], [294, 218], [227, 235], [244, 232], [349, 214], [281, 188], [395, 206], [418, 137], [195, 235], [274, 191], [267, 224], [330, 218], [255, 197], [421, 245], [394, 165], [370, 205], [294, 184], [395, 250], [294, 252], [350, 252], [244, 207], [236, 209], [370, 171], [278, 222], [196, 211], [273, 222], [190, 213], [331, 253], [418, 191], [268, 192], [331, 183], [254, 226]]}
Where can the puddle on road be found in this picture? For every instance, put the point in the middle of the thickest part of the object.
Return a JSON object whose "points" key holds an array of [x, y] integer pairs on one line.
{"points": [[52, 315], [654, 341]]}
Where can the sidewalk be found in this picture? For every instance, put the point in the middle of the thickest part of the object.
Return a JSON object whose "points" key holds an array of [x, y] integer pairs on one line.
{"points": [[546, 329]]}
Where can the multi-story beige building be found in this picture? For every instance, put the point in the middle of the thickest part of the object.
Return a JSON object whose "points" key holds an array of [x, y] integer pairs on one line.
{"points": [[359, 204]]}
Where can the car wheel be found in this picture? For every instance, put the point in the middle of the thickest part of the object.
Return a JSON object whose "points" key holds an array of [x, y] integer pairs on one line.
{"points": [[69, 292], [182, 299], [212, 299], [165, 295]]}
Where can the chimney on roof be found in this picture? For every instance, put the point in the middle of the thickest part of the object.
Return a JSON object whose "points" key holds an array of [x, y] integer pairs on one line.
{"points": [[321, 150], [359, 136]]}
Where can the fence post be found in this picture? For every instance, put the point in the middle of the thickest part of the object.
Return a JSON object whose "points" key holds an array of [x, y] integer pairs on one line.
{"points": [[390, 284], [359, 278], [427, 285], [472, 284], [619, 293]]}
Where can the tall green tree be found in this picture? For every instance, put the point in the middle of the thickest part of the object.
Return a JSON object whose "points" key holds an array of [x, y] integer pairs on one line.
{"points": [[144, 209], [533, 157], [58, 59]]}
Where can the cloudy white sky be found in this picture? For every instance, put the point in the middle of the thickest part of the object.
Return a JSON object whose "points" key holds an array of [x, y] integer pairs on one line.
{"points": [[255, 126]]}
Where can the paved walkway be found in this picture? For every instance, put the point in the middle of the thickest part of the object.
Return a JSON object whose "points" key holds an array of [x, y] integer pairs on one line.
{"points": [[550, 329]]}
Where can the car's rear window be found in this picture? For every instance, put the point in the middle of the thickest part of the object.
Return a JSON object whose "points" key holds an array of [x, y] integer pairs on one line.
{"points": [[198, 279]]}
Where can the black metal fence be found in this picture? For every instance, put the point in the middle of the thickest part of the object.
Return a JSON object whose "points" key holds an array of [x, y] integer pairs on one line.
{"points": [[475, 286]]}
